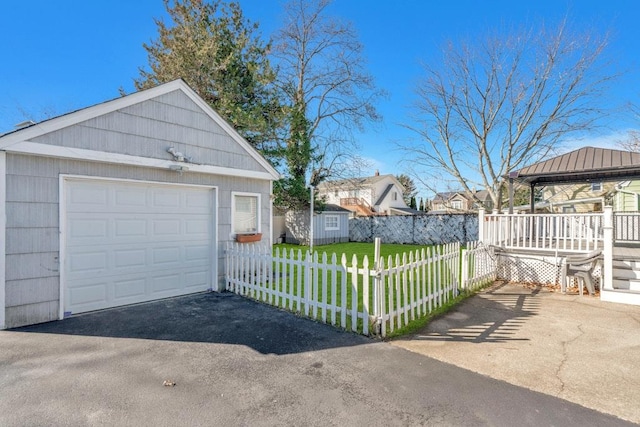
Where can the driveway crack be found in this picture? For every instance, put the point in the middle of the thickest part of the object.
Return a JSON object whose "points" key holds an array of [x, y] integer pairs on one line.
{"points": [[565, 356]]}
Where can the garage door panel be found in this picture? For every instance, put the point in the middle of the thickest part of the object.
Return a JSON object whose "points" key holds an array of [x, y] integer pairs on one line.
{"points": [[167, 256], [166, 227], [130, 198], [168, 199], [129, 258], [124, 228], [167, 282], [95, 262], [124, 290], [135, 242], [198, 200], [196, 278], [88, 228], [90, 197], [88, 294]]}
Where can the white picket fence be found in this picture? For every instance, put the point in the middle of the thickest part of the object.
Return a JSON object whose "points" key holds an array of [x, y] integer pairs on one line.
{"points": [[365, 298]]}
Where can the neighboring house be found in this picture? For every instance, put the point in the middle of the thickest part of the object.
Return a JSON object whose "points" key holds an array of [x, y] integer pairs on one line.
{"points": [[459, 201], [627, 196], [127, 201], [576, 198], [368, 196], [330, 225]]}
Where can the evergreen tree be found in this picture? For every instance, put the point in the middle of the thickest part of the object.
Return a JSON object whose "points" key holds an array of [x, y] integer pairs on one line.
{"points": [[219, 54], [412, 204]]}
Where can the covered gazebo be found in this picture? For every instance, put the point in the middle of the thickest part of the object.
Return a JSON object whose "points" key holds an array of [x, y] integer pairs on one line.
{"points": [[585, 165]]}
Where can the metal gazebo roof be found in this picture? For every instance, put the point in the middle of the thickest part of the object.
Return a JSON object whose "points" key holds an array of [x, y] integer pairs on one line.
{"points": [[587, 164], [583, 165]]}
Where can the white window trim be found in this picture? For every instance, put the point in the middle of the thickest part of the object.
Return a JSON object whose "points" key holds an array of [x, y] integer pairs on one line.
{"points": [[596, 184], [337, 227], [233, 210]]}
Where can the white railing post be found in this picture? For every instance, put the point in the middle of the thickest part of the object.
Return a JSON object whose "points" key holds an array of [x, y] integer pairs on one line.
{"points": [[465, 269], [607, 251], [481, 236], [377, 309]]}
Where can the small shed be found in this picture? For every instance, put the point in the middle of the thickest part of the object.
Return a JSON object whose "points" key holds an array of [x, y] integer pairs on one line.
{"points": [[330, 225], [123, 202]]}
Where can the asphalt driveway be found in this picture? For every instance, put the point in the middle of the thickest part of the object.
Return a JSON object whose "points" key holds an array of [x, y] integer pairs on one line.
{"points": [[237, 362]]}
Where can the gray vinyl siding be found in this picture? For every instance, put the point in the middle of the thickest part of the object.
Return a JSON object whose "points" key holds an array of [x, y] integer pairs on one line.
{"points": [[149, 128], [32, 228], [322, 236], [297, 230]]}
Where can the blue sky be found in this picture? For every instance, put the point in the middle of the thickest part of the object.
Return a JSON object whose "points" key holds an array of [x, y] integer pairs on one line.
{"points": [[62, 55]]}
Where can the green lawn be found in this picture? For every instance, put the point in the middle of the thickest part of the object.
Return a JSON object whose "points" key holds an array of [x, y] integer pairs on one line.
{"points": [[351, 248]]}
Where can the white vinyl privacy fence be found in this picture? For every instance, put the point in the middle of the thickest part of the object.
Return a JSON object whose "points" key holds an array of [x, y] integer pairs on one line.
{"points": [[356, 294]]}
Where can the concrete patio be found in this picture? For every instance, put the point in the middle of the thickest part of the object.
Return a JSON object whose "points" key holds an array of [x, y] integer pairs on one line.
{"points": [[576, 348]]}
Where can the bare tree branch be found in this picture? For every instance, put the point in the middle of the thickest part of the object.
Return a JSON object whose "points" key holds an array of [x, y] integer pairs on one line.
{"points": [[494, 105]]}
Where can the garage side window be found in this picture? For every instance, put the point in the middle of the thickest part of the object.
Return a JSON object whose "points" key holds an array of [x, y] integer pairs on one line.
{"points": [[246, 214], [331, 222]]}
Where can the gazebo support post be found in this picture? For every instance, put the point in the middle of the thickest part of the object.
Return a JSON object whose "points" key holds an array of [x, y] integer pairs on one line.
{"points": [[532, 199], [510, 196]]}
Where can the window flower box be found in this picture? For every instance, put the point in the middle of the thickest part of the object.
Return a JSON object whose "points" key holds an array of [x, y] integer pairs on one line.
{"points": [[248, 238]]}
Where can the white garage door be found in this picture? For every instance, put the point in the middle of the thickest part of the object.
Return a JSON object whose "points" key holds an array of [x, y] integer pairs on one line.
{"points": [[131, 242]]}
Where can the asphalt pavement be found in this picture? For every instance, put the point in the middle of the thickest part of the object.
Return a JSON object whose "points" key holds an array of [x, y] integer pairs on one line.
{"points": [[219, 359]]}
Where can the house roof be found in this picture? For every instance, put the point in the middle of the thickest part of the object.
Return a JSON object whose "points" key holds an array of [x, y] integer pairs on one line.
{"points": [[19, 139], [360, 182], [334, 208], [583, 165], [408, 211], [383, 195]]}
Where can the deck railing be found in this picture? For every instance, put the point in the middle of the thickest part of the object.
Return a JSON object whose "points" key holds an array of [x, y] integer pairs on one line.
{"points": [[543, 232], [626, 226]]}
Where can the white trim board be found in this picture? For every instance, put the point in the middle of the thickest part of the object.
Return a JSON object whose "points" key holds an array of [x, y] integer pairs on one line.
{"points": [[3, 234], [71, 119], [47, 150]]}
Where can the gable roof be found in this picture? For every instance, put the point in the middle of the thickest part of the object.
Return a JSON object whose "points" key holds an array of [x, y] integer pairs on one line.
{"points": [[360, 182], [383, 195], [583, 165], [448, 195], [19, 139]]}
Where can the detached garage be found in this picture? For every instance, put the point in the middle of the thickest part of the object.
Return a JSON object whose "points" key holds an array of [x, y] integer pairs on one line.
{"points": [[123, 202]]}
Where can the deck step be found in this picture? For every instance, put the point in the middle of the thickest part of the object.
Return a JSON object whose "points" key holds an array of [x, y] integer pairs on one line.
{"points": [[626, 263], [621, 273], [621, 283], [620, 296]]}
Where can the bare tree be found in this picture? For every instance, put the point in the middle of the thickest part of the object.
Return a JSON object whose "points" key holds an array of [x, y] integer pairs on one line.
{"points": [[494, 105], [631, 142], [321, 72]]}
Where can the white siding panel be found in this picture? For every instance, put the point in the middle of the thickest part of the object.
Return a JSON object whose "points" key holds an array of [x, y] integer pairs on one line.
{"points": [[32, 291], [32, 189], [31, 240], [32, 266], [23, 215], [31, 313]]}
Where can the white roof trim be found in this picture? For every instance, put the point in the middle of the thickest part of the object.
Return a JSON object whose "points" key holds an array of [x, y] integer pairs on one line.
{"points": [[88, 113], [37, 149]]}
